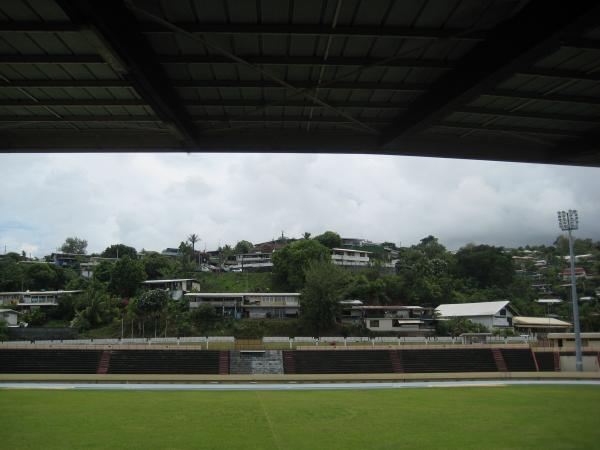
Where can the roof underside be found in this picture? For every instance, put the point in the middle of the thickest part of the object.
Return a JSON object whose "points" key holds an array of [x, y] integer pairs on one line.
{"points": [[511, 80]]}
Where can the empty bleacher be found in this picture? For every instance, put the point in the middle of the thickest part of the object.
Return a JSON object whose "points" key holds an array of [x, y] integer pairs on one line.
{"points": [[49, 361], [164, 361], [518, 360], [545, 361], [336, 361], [447, 360]]}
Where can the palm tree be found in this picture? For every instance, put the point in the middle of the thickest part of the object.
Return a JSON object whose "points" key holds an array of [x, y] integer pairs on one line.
{"points": [[306, 236], [192, 239]]}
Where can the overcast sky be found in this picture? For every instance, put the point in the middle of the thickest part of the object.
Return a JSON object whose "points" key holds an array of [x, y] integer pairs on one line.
{"points": [[154, 201]]}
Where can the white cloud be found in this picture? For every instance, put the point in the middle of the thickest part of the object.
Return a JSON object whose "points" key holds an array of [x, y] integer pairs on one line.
{"points": [[155, 200]]}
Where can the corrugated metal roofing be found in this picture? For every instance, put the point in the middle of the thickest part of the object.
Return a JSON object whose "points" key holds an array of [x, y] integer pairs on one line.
{"points": [[323, 75]]}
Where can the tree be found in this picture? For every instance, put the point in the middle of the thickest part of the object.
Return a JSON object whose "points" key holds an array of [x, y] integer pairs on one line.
{"points": [[151, 304], [329, 239], [126, 277], [243, 247], [74, 245], [192, 239], [204, 316], [290, 262], [325, 286], [3, 330], [103, 271], [430, 247], [485, 266], [119, 251], [457, 326], [12, 275], [306, 236], [94, 307], [43, 276], [157, 265]]}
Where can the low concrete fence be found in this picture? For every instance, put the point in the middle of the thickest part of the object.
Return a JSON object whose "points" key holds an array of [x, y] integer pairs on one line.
{"points": [[278, 342]]}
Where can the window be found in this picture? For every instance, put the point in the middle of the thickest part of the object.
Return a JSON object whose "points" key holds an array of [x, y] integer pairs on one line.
{"points": [[503, 312], [374, 323]]}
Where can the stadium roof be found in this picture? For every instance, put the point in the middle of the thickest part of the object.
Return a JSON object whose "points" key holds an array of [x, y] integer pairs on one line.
{"points": [[511, 80], [471, 309]]}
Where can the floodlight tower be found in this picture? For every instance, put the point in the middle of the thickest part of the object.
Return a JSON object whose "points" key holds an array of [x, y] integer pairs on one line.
{"points": [[569, 221]]}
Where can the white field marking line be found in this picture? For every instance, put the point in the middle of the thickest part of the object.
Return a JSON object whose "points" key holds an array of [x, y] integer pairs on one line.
{"points": [[271, 428], [467, 385], [284, 386]]}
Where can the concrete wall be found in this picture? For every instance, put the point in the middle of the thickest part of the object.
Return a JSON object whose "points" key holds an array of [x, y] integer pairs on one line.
{"points": [[590, 364]]}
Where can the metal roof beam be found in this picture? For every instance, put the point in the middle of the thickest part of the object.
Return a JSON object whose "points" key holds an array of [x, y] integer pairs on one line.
{"points": [[31, 83], [52, 59], [114, 29], [581, 99], [365, 85], [283, 60], [270, 29], [529, 114], [197, 119], [561, 73], [506, 128], [511, 46], [218, 59], [258, 84], [199, 102], [72, 102]]}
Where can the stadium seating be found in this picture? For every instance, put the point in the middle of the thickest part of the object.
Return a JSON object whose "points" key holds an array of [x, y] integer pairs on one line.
{"points": [[49, 361], [545, 361], [338, 361], [518, 360], [164, 361], [447, 360]]}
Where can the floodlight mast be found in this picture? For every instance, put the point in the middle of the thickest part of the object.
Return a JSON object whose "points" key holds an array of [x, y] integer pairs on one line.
{"points": [[569, 221]]}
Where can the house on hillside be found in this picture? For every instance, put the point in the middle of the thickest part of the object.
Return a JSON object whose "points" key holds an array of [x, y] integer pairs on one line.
{"points": [[11, 317], [68, 259], [33, 299], [255, 305], [252, 262], [176, 288], [346, 257], [492, 315], [87, 268], [579, 273], [402, 320]]}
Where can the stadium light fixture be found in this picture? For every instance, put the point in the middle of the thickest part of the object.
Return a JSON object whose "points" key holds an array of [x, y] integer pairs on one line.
{"points": [[569, 221]]}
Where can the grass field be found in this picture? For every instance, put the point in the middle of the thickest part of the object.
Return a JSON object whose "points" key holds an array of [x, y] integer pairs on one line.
{"points": [[515, 417]]}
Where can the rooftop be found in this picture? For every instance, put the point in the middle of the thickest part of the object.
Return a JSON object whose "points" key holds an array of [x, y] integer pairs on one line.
{"points": [[471, 309]]}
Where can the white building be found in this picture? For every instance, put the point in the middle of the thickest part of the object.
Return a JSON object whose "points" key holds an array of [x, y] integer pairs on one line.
{"points": [[176, 287], [33, 299], [350, 258], [489, 314], [10, 316], [266, 305], [252, 262], [87, 268], [403, 320]]}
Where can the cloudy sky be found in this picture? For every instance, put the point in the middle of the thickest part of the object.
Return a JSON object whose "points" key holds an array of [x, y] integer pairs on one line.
{"points": [[154, 201]]}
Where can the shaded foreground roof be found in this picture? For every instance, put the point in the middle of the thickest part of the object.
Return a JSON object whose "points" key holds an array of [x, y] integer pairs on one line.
{"points": [[511, 80], [471, 309]]}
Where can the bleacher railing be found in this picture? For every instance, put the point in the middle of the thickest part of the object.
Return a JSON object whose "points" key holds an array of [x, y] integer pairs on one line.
{"points": [[283, 341]]}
